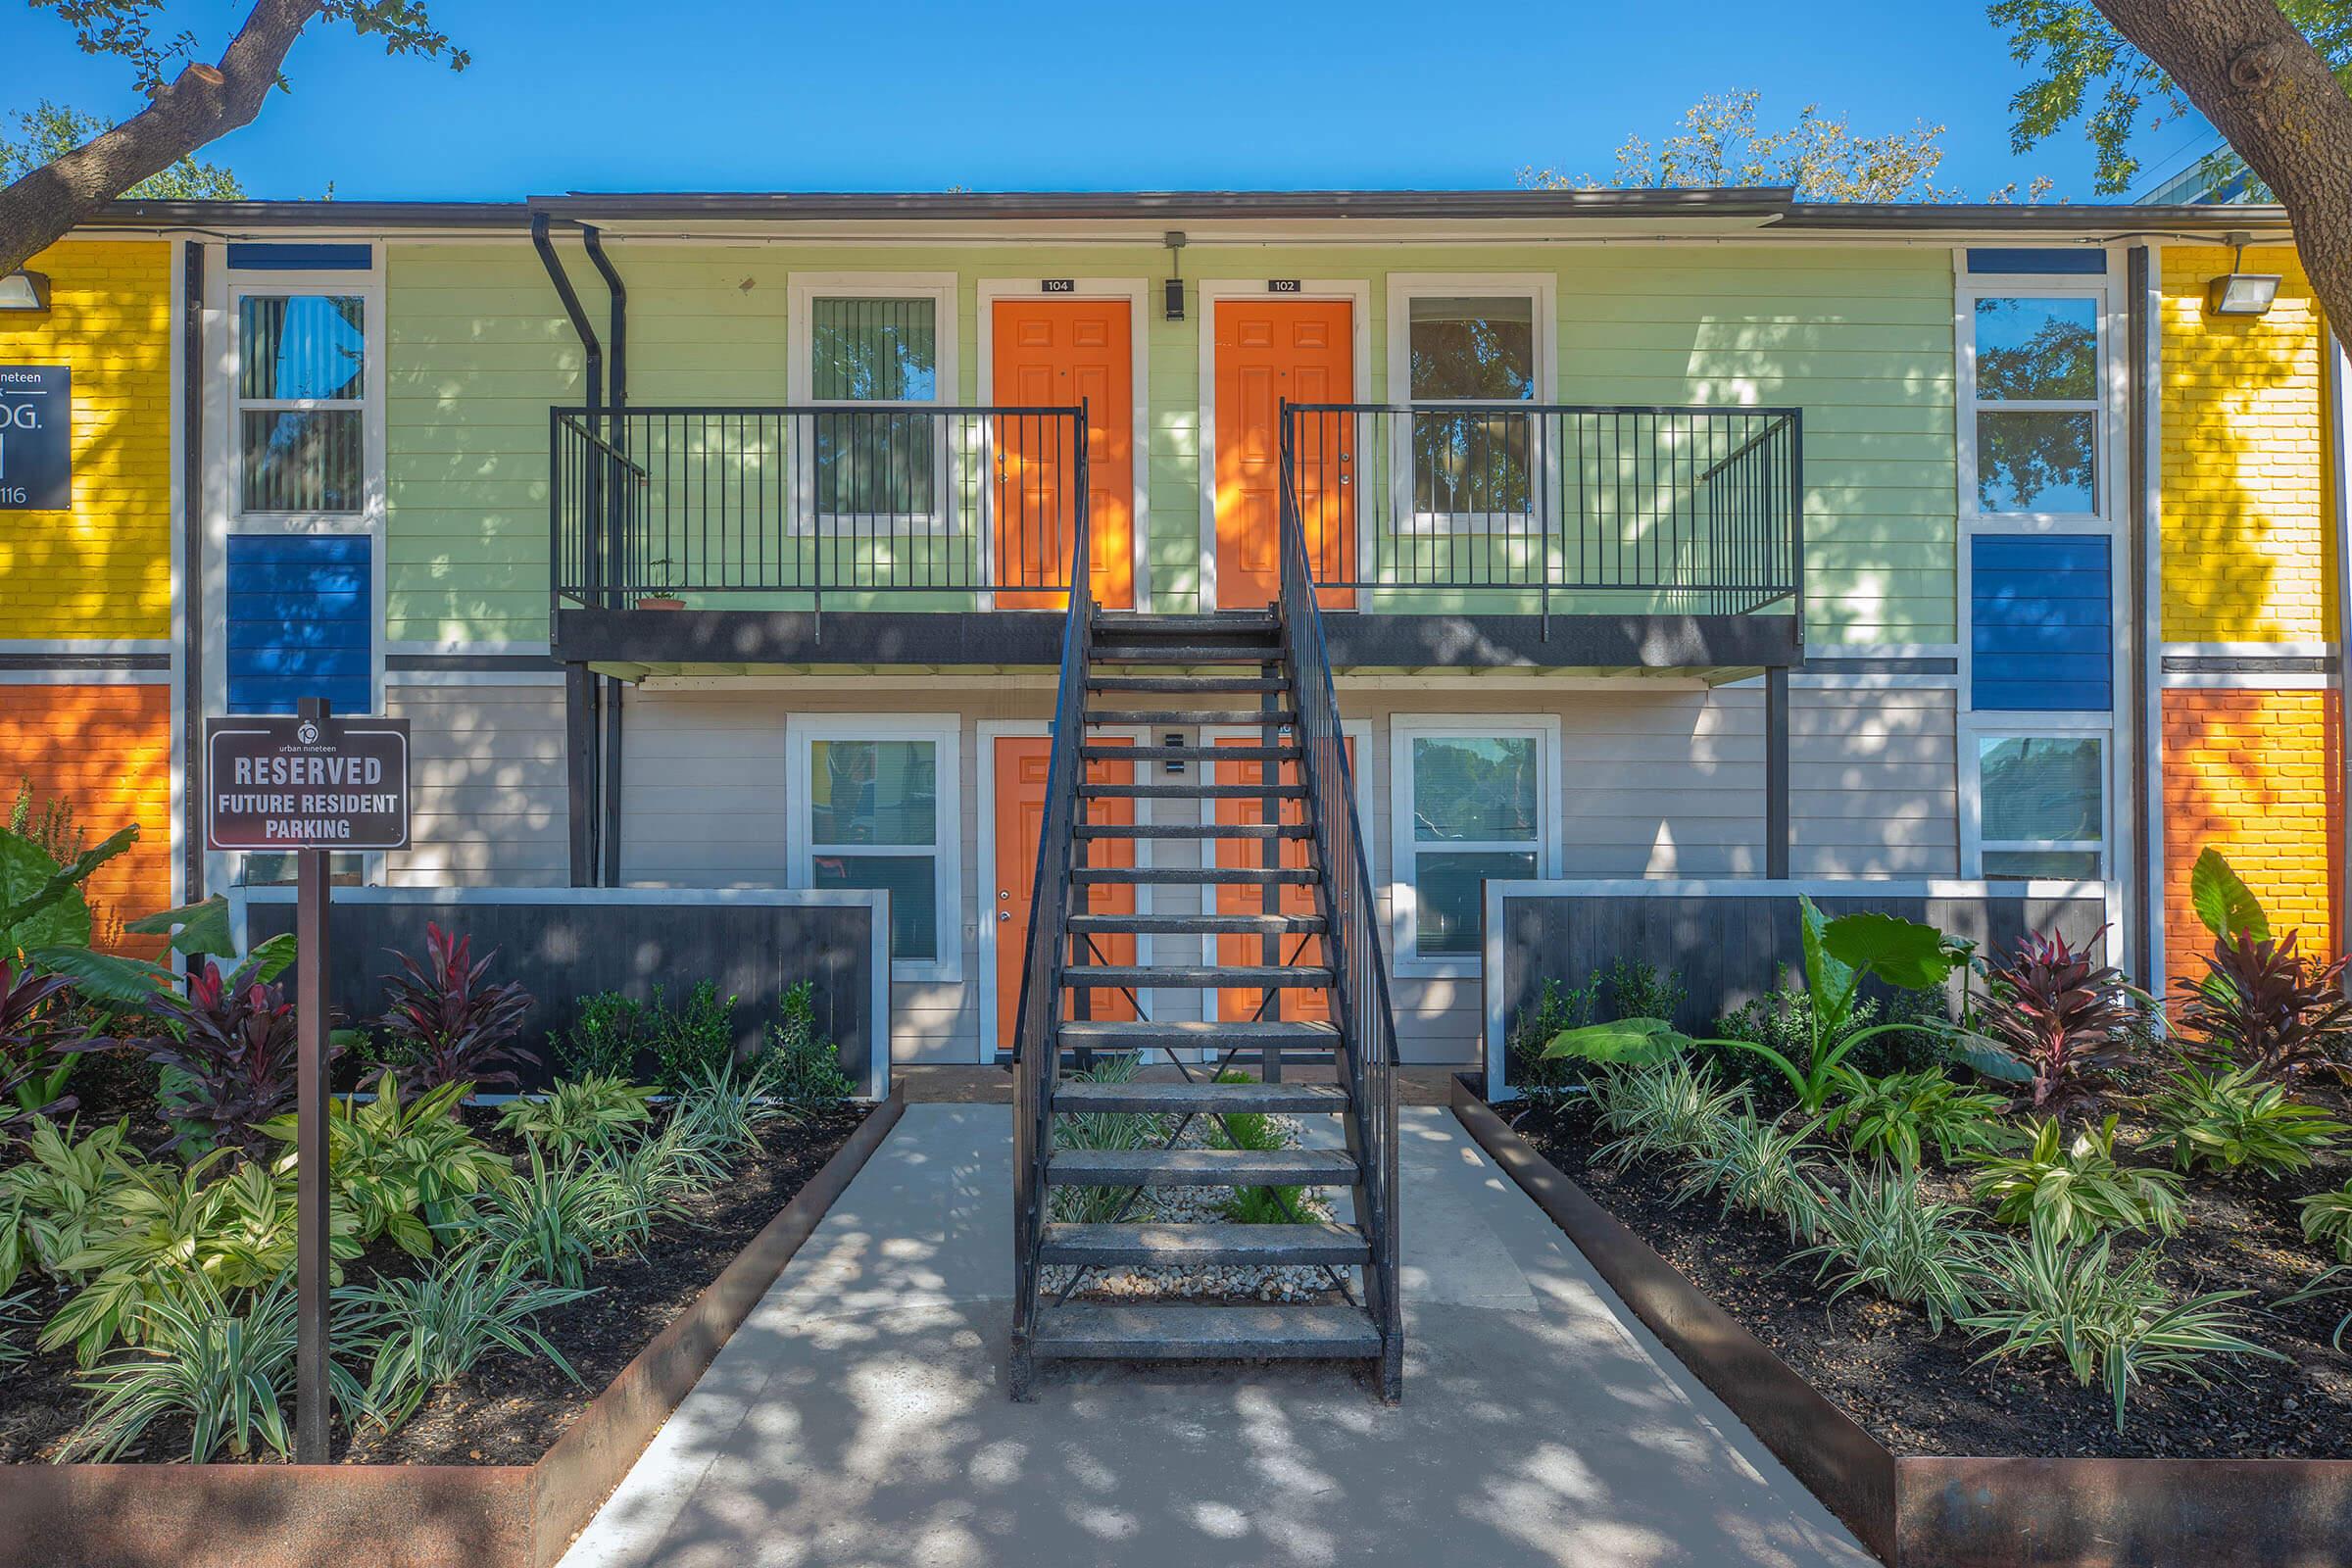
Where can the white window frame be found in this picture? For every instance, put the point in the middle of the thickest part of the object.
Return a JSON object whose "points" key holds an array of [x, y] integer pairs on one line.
{"points": [[1542, 291], [2033, 726], [1406, 958], [2106, 409], [803, 291], [802, 732], [368, 289]]}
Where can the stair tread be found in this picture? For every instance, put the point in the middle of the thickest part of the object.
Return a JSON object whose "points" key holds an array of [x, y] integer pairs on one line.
{"points": [[1175, 874], [1105, 1034], [1176, 792], [1188, 754], [1148, 1243], [1239, 976], [1202, 1168], [1229, 925], [1158, 1332], [1195, 830], [1186, 653], [1200, 622], [1167, 1099], [1110, 681], [1251, 718]]}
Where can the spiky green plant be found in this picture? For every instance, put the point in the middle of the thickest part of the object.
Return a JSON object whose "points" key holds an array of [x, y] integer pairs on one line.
{"points": [[2233, 1120], [729, 1103], [2043, 1294], [1901, 1115], [2327, 1219], [2077, 1185], [1878, 1232], [1762, 1167], [649, 1178], [579, 1116], [550, 1222], [1669, 1110], [420, 1333], [1119, 1131]]}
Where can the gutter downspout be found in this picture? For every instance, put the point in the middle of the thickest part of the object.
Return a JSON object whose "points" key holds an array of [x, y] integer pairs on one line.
{"points": [[618, 541], [2339, 471], [580, 693], [2144, 900]]}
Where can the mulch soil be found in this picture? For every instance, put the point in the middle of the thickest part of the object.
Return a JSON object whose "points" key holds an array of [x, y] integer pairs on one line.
{"points": [[1920, 1394], [508, 1410]]}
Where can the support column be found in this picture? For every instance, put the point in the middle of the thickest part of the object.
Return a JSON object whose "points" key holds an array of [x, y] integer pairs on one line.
{"points": [[579, 770], [1776, 772]]}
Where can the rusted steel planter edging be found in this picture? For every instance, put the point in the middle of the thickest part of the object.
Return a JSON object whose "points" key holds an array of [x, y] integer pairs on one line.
{"points": [[1924, 1511], [411, 1516]]}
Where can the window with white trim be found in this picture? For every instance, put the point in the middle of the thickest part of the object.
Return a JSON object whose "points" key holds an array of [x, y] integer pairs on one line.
{"points": [[868, 347], [300, 403], [1456, 341], [2035, 414], [874, 806], [2041, 802], [1473, 804]]}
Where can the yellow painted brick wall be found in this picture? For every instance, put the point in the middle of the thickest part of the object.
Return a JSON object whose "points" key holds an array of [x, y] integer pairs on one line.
{"points": [[102, 569], [2246, 542]]}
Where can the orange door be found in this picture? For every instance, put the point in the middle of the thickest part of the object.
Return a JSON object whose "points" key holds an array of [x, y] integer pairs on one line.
{"points": [[1240, 898], [1021, 763], [1269, 351], [1058, 354]]}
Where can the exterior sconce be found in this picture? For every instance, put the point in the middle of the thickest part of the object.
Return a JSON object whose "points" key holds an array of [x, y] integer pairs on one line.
{"points": [[1174, 240], [24, 291], [2239, 293]]}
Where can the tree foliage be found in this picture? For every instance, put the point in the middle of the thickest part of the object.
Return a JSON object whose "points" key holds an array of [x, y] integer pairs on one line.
{"points": [[1720, 143], [49, 131], [2088, 70]]}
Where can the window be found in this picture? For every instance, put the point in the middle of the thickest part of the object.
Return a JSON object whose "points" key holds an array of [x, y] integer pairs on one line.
{"points": [[301, 396], [1456, 341], [875, 807], [2043, 806], [2037, 406], [871, 348], [1473, 804]]}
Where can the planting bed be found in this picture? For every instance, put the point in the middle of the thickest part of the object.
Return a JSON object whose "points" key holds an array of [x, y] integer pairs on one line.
{"points": [[1922, 1393], [509, 1411]]}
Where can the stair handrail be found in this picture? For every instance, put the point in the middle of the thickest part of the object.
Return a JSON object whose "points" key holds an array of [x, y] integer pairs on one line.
{"points": [[1352, 915], [1037, 1052]]}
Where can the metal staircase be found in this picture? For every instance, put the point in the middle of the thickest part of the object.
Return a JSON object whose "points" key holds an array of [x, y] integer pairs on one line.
{"points": [[1267, 671]]}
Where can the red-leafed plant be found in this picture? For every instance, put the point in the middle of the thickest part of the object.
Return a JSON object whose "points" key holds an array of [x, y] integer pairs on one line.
{"points": [[32, 1030], [2063, 1018], [444, 1026], [2263, 1006], [229, 1058]]}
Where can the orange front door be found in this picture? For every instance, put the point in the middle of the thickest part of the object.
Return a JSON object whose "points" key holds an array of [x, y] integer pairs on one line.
{"points": [[1021, 763], [1058, 354], [1241, 899], [1269, 351]]}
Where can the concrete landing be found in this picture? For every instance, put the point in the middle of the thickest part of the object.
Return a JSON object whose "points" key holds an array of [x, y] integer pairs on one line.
{"points": [[859, 1416]]}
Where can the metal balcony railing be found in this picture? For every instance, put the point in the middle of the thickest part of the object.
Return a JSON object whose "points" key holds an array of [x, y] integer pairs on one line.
{"points": [[1554, 509], [781, 507]]}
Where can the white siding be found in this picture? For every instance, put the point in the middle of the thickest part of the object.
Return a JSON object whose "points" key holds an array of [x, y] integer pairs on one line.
{"points": [[488, 785]]}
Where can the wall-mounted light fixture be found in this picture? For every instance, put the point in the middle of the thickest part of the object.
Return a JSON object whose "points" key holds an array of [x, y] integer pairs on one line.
{"points": [[24, 291], [2240, 293], [1173, 239]]}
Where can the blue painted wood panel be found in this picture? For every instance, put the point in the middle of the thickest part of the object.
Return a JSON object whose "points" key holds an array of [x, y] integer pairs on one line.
{"points": [[282, 257], [2042, 623], [301, 623]]}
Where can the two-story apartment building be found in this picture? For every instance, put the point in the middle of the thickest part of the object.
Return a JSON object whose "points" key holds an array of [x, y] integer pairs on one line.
{"points": [[721, 540]]}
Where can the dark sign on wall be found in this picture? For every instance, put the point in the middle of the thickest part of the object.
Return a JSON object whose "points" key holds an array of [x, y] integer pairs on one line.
{"points": [[36, 438], [307, 783]]}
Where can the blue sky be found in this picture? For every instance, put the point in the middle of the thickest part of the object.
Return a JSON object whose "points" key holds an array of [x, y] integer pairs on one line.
{"points": [[598, 95]]}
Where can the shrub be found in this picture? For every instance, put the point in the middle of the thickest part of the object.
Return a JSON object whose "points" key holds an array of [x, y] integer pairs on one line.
{"points": [[2231, 1120], [1556, 1009], [158, 1228], [1880, 1233], [2327, 1219], [693, 1041], [2075, 1188], [422, 1332], [2265, 1007], [551, 1223], [804, 1068], [1760, 1166], [2056, 1022], [225, 1371], [410, 1171], [1897, 1116], [442, 1025], [229, 1058], [47, 1203], [605, 1039], [578, 1117], [2043, 1292], [1639, 989], [1665, 1110]]}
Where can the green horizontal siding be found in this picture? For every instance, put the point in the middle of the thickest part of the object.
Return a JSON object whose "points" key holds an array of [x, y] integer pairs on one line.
{"points": [[1860, 338]]}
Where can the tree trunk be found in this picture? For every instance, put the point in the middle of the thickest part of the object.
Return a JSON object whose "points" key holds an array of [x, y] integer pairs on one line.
{"points": [[2266, 89], [204, 103]]}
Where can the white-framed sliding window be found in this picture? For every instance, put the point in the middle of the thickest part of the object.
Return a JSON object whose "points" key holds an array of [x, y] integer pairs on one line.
{"points": [[873, 802], [2040, 409], [2037, 800], [867, 344], [1460, 338], [1472, 799]]}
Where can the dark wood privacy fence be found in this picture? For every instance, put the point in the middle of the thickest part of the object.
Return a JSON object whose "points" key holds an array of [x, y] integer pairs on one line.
{"points": [[567, 944], [1728, 942]]}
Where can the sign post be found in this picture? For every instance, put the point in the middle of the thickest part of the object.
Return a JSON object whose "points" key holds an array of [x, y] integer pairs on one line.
{"points": [[313, 784]]}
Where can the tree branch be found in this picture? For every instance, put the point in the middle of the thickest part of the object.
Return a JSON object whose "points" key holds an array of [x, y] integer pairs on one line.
{"points": [[2255, 75], [205, 101]]}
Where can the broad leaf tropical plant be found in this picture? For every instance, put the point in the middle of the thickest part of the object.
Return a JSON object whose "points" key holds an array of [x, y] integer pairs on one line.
{"points": [[2225, 904], [407, 1170], [41, 901], [443, 1025], [49, 1199], [229, 1057], [1626, 1042], [2055, 1020], [2263, 1006], [2075, 1186], [32, 1030], [2232, 1120]]}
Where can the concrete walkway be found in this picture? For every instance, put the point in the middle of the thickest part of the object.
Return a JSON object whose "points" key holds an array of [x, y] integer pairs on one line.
{"points": [[860, 1418]]}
